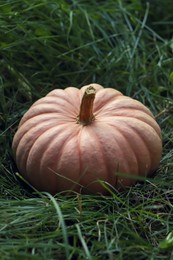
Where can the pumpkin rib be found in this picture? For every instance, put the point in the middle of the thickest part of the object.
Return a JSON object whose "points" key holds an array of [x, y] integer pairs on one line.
{"points": [[139, 118], [50, 150], [74, 99], [57, 103], [137, 155], [119, 130], [146, 143], [66, 141], [124, 133], [29, 124], [151, 123], [39, 118], [37, 150], [120, 151], [124, 103], [78, 149], [48, 130], [99, 105], [90, 156], [105, 150], [69, 96], [46, 109], [28, 138], [58, 93], [72, 175], [101, 154]]}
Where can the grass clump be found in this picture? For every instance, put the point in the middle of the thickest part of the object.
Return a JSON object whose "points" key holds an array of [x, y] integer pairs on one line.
{"points": [[54, 44]]}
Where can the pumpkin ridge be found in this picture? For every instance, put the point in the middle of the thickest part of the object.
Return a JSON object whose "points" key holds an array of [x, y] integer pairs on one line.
{"points": [[32, 131], [64, 144], [41, 136], [43, 117], [103, 152], [148, 151], [146, 119], [82, 173], [68, 97], [34, 155], [142, 117], [84, 170], [60, 94], [153, 125], [121, 166], [146, 143], [127, 141], [70, 93], [137, 155], [102, 156], [46, 109], [122, 103], [79, 152], [56, 155], [101, 106]]}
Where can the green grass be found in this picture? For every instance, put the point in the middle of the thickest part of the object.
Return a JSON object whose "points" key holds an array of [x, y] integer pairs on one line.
{"points": [[47, 44]]}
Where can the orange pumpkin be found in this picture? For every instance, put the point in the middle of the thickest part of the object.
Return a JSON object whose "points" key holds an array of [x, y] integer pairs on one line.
{"points": [[73, 139]]}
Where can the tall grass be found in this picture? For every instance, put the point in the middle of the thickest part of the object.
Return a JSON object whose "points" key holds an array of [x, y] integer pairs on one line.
{"points": [[54, 44]]}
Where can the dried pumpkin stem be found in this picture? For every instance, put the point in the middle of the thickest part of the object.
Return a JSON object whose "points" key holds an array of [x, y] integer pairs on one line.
{"points": [[86, 108]]}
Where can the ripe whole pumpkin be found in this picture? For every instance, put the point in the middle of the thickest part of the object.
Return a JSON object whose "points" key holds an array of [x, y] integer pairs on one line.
{"points": [[73, 139]]}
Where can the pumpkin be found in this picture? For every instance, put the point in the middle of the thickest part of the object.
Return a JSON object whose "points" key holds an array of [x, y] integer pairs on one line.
{"points": [[78, 139]]}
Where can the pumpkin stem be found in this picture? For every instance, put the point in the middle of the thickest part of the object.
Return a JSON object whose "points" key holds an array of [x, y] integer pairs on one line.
{"points": [[86, 116]]}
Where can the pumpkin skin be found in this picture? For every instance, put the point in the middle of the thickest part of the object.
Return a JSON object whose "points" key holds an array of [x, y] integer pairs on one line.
{"points": [[56, 153]]}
